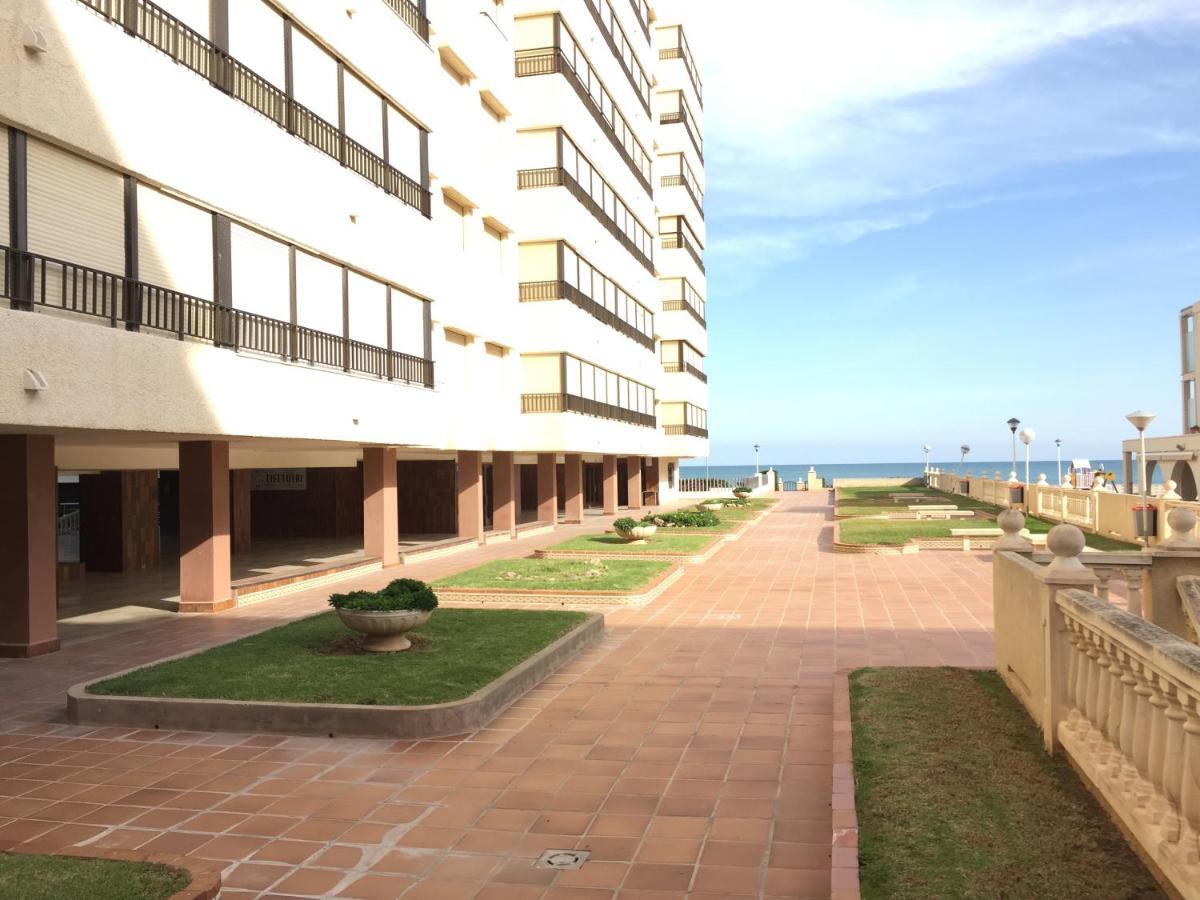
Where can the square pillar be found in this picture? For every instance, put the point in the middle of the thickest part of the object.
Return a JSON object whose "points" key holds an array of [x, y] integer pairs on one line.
{"points": [[504, 492], [470, 494], [239, 511], [381, 516], [204, 527], [654, 479], [610, 485], [547, 487], [573, 487], [28, 546], [633, 474]]}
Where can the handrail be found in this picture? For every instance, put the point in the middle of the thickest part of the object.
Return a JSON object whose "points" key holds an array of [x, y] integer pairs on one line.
{"points": [[683, 51], [627, 60], [154, 25], [685, 430], [678, 240], [684, 182], [641, 9], [563, 403], [535, 291], [683, 116], [412, 15], [32, 280]]}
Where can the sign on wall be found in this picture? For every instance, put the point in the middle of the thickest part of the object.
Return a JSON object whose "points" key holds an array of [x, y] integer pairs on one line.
{"points": [[279, 480]]}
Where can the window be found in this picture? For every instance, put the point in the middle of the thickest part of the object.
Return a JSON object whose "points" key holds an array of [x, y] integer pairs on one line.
{"points": [[1190, 386], [1189, 343]]}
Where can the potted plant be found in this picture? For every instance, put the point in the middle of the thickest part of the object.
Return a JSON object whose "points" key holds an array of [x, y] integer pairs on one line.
{"points": [[741, 492], [633, 531], [386, 617]]}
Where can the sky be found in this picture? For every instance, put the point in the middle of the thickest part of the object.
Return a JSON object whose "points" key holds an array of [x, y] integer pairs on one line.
{"points": [[925, 218]]}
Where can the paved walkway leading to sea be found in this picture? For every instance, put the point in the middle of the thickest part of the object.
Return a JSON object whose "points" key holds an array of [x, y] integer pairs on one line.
{"points": [[689, 752]]}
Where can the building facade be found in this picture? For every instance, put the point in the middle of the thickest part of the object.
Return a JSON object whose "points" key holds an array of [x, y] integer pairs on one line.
{"points": [[373, 272]]}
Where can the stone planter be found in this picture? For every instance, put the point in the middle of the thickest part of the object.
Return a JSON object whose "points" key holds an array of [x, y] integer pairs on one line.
{"points": [[638, 534], [710, 507], [741, 493], [386, 632]]}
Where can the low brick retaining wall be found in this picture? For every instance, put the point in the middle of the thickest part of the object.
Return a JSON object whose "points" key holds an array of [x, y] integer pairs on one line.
{"points": [[462, 596], [665, 556], [331, 719], [206, 877]]}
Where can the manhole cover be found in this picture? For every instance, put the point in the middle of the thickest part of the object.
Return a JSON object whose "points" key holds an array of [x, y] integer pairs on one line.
{"points": [[562, 859]]}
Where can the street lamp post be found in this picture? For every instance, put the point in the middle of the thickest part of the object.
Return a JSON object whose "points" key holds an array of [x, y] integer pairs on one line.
{"points": [[1058, 444], [1141, 420], [1013, 424], [1027, 435], [963, 451], [756, 460], [926, 450]]}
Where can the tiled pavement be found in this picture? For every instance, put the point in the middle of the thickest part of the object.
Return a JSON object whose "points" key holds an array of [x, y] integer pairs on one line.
{"points": [[689, 752]]}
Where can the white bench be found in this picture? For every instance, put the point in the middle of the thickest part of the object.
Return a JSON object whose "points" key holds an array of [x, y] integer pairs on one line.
{"points": [[925, 514], [967, 533], [938, 506]]}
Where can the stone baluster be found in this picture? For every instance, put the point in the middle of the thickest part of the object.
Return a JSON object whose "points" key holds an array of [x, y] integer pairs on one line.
{"points": [[1142, 725], [1081, 674], [1133, 586], [1104, 574], [1128, 707], [1072, 668], [1100, 720], [1174, 750], [1158, 742], [1092, 705], [1189, 789], [1116, 698]]}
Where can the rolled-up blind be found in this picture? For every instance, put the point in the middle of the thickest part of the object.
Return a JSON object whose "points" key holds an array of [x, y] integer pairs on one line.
{"points": [[364, 114], [408, 324], [314, 78], [76, 209], [175, 244], [192, 13], [368, 310], [260, 274], [318, 294], [256, 39]]}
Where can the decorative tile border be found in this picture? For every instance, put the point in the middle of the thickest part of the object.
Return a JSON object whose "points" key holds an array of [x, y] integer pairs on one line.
{"points": [[844, 840], [692, 558], [559, 599], [245, 597], [330, 719], [206, 877], [444, 548]]}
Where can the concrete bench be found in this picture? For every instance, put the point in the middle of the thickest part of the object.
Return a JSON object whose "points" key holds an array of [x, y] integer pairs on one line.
{"points": [[944, 514], [938, 506], [967, 533]]}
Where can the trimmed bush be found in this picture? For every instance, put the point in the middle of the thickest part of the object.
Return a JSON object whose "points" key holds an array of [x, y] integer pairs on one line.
{"points": [[684, 519], [625, 524], [401, 594]]}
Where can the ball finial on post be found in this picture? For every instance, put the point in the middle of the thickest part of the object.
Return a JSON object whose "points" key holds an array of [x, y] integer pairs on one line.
{"points": [[1011, 522], [1183, 530], [1066, 542]]}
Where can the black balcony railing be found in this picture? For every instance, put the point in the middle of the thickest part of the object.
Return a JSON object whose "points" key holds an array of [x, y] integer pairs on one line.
{"points": [[564, 403], [32, 281], [551, 61], [681, 181], [534, 291], [528, 179], [672, 366], [681, 116], [681, 53], [678, 240], [685, 430], [189, 48], [622, 51], [412, 15], [682, 306]]}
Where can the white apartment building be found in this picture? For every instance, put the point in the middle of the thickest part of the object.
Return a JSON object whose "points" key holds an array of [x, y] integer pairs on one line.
{"points": [[294, 288]]}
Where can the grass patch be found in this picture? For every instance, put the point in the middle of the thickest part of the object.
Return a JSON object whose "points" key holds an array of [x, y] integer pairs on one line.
{"points": [[660, 543], [896, 532], [957, 798], [1095, 541], [560, 574], [457, 652], [32, 877]]}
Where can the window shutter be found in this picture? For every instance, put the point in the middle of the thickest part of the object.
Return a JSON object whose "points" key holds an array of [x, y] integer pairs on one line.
{"points": [[260, 274], [76, 209], [368, 310], [175, 244], [256, 39], [318, 294], [408, 324]]}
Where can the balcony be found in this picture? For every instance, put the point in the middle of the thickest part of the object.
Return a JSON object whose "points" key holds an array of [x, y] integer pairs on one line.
{"points": [[681, 115], [32, 281], [412, 15], [144, 20], [688, 300], [614, 34], [570, 62], [680, 237], [641, 9], [569, 403], [675, 367], [680, 50], [685, 431]]}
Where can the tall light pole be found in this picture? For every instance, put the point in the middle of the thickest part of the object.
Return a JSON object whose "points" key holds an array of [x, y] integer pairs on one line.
{"points": [[963, 451], [1013, 424], [1058, 444], [1140, 419], [1027, 435], [756, 459], [926, 450]]}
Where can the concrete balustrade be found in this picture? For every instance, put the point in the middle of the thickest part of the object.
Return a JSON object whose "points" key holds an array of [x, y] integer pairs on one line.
{"points": [[1117, 693]]}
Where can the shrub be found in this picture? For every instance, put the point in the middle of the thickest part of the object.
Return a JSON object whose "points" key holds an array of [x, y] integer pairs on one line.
{"points": [[625, 524], [401, 594], [685, 519]]}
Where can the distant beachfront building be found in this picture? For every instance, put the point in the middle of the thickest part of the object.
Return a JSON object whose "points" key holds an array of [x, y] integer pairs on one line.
{"points": [[1178, 456], [360, 277]]}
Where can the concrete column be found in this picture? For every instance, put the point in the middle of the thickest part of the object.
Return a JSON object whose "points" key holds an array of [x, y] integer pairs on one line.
{"points": [[573, 487], [547, 482], [610, 485], [28, 546], [239, 510], [504, 492], [470, 494], [654, 474], [381, 517], [633, 474], [204, 527]]}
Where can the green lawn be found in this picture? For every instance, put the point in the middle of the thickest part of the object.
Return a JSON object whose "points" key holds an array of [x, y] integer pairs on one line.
{"points": [[899, 531], [671, 542], [957, 799], [34, 877], [560, 574], [455, 654]]}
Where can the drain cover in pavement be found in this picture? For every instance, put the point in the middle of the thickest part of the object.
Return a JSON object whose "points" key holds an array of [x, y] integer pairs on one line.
{"points": [[562, 859]]}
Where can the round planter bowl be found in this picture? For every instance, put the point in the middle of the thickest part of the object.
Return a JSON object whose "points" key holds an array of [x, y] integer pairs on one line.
{"points": [[710, 507], [637, 534], [386, 632]]}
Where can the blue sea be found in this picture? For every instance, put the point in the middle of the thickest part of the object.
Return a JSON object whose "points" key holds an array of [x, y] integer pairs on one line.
{"points": [[830, 471]]}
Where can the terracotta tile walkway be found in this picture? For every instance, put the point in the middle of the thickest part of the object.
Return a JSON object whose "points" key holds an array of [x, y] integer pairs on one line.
{"points": [[690, 752]]}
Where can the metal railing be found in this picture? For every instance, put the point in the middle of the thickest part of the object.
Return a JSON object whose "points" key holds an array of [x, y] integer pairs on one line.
{"points": [[189, 48], [641, 9], [688, 430], [678, 240], [552, 61], [672, 366], [32, 280], [683, 306], [412, 15], [683, 52], [682, 117], [611, 28], [681, 181], [558, 177], [536, 291], [565, 403]]}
